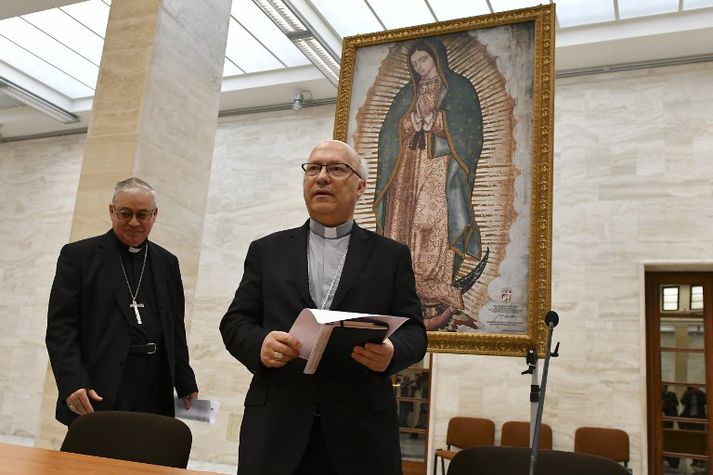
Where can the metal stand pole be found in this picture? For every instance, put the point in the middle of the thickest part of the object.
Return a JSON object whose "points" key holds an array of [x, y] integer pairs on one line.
{"points": [[551, 320], [531, 359]]}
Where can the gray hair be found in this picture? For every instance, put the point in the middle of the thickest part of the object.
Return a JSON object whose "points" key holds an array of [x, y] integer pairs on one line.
{"points": [[134, 185], [363, 168], [360, 166]]}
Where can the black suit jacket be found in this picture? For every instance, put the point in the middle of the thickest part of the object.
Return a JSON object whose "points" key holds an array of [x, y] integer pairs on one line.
{"points": [[88, 332], [358, 415]]}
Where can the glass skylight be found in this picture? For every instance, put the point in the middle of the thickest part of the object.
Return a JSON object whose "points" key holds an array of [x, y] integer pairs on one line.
{"points": [[94, 14], [70, 32], [401, 13], [583, 12], [253, 19], [348, 17], [454, 9], [62, 47], [45, 49], [42, 71], [229, 69], [504, 5], [246, 52]]}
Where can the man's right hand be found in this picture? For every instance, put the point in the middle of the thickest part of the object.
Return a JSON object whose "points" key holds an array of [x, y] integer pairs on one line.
{"points": [[79, 401], [278, 348]]}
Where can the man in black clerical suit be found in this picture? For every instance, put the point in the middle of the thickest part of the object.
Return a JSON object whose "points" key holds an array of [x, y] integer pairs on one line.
{"points": [[115, 332], [334, 423]]}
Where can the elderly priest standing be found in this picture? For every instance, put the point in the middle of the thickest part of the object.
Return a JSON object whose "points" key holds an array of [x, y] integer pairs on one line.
{"points": [[333, 423], [115, 332]]}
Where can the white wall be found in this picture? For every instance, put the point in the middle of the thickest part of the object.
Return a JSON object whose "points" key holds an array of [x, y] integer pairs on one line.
{"points": [[38, 183], [632, 184]]}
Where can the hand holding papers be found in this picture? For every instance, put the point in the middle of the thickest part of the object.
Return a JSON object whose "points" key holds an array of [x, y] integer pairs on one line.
{"points": [[328, 337], [202, 410]]}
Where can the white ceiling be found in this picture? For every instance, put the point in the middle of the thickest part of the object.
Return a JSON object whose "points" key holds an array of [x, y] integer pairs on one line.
{"points": [[53, 47]]}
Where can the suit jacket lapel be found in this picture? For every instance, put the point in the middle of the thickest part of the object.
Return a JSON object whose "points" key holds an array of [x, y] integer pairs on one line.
{"points": [[358, 253], [297, 259], [115, 276]]}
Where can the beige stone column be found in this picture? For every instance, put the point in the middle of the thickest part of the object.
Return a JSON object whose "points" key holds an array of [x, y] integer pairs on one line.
{"points": [[154, 117]]}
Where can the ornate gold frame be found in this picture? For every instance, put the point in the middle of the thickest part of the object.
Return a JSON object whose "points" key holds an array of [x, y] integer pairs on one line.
{"points": [[542, 115]]}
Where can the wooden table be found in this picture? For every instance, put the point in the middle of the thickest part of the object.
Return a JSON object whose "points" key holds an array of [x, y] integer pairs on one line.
{"points": [[21, 460]]}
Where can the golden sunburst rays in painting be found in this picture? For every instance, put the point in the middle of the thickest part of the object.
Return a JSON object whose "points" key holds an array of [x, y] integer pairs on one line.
{"points": [[494, 193]]}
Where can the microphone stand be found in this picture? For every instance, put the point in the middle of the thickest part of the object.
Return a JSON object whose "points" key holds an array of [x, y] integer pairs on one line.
{"points": [[551, 320], [531, 359]]}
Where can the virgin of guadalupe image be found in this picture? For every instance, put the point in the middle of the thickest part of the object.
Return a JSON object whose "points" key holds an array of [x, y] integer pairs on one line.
{"points": [[428, 149]]}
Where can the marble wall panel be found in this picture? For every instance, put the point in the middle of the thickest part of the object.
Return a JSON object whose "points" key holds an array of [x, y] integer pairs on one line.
{"points": [[38, 186]]}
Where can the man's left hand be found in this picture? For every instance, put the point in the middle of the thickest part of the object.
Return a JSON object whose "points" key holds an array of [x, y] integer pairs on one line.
{"points": [[188, 398], [374, 356]]}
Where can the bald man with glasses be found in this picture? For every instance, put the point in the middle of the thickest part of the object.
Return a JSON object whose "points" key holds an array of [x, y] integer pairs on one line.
{"points": [[336, 422], [115, 332]]}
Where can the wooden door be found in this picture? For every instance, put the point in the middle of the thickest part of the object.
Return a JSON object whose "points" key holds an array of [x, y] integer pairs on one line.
{"points": [[679, 343]]}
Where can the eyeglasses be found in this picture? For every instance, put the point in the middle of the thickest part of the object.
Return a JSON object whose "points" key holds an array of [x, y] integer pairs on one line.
{"points": [[126, 214], [335, 170]]}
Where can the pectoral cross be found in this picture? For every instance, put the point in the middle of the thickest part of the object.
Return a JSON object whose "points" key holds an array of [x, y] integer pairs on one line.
{"points": [[136, 307]]}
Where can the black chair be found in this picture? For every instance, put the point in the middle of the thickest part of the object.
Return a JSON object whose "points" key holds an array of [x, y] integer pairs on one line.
{"points": [[516, 461], [133, 436]]}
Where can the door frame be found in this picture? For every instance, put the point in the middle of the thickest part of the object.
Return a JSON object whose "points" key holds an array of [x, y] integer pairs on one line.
{"points": [[652, 279]]}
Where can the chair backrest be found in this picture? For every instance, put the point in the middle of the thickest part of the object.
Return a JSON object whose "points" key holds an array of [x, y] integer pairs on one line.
{"points": [[610, 443], [517, 434], [134, 436], [516, 460], [464, 432]]}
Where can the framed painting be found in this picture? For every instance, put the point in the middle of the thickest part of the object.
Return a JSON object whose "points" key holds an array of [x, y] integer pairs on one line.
{"points": [[455, 122]]}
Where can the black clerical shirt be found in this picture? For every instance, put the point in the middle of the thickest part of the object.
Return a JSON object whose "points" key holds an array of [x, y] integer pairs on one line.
{"points": [[149, 331]]}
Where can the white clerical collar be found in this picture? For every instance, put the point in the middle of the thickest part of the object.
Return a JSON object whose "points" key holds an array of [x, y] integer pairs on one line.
{"points": [[131, 249], [330, 233]]}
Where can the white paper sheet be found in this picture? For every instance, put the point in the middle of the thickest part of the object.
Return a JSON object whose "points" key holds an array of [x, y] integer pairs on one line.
{"points": [[202, 410]]}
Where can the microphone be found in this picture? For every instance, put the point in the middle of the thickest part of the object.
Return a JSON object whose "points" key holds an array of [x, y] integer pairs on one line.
{"points": [[552, 319]]}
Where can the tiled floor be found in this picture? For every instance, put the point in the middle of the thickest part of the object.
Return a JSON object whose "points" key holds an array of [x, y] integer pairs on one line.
{"points": [[412, 448]]}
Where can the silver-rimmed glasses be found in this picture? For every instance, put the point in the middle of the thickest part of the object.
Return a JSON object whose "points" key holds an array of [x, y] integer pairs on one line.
{"points": [[335, 170], [126, 214]]}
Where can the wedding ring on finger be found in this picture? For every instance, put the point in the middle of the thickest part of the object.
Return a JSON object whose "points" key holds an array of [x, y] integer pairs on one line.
{"points": [[277, 355]]}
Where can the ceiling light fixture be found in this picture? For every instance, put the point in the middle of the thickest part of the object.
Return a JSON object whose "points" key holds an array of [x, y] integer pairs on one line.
{"points": [[291, 22], [36, 102], [302, 98]]}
